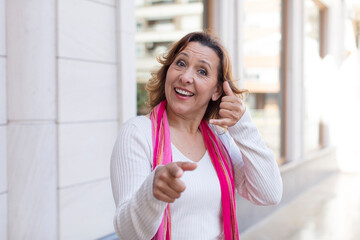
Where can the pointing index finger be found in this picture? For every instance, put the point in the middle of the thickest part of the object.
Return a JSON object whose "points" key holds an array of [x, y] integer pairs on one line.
{"points": [[227, 89], [177, 169], [187, 166]]}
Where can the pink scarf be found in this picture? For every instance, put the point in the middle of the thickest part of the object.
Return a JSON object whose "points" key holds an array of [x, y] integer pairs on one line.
{"points": [[220, 159]]}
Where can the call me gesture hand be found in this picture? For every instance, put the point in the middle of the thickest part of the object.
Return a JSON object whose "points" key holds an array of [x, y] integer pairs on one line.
{"points": [[232, 108]]}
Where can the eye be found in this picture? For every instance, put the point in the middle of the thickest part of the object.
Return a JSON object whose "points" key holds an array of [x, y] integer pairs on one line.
{"points": [[203, 72], [180, 63]]}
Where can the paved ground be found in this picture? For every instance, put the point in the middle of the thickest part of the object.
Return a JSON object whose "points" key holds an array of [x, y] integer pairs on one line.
{"points": [[328, 211]]}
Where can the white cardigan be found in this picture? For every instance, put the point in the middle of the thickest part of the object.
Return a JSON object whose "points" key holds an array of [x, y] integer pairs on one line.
{"points": [[197, 213]]}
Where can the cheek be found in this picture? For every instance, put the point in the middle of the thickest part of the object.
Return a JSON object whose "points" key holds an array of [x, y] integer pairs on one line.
{"points": [[169, 75], [167, 84], [212, 87]]}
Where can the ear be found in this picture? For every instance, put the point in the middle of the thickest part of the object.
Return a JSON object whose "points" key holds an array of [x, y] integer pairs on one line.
{"points": [[217, 94]]}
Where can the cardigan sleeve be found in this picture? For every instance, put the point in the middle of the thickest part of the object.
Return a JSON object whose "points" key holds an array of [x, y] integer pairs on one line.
{"points": [[257, 175], [138, 213]]}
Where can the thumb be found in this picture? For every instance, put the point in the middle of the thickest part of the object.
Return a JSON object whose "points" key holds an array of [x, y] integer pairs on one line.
{"points": [[227, 89]]}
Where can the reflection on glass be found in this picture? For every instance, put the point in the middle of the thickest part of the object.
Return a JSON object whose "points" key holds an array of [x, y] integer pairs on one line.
{"points": [[312, 77], [159, 23], [262, 50]]}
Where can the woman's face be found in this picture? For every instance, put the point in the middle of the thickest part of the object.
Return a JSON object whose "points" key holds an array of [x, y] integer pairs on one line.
{"points": [[191, 81]]}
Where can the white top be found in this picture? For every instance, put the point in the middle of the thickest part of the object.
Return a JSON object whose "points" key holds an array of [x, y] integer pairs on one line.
{"points": [[197, 213]]}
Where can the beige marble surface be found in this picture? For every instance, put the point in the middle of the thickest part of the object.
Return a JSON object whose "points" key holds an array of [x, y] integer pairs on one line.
{"points": [[32, 181], [127, 75], [3, 160], [327, 211], [86, 91], [2, 29], [3, 100], [31, 61], [84, 151], [107, 2], [89, 35], [86, 211], [3, 216], [126, 16]]}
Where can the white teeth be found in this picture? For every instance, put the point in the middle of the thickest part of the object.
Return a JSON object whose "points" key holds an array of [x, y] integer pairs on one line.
{"points": [[183, 92]]}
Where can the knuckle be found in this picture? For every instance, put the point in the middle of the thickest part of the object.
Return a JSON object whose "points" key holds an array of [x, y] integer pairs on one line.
{"points": [[156, 193], [171, 167], [159, 185], [162, 177], [233, 114], [182, 188]]}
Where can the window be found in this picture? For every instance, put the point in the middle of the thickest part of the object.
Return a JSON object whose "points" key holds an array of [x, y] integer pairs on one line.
{"points": [[159, 24], [262, 51], [314, 52]]}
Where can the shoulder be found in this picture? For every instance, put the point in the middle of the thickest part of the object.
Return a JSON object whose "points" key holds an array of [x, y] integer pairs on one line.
{"points": [[138, 124], [138, 128], [138, 121]]}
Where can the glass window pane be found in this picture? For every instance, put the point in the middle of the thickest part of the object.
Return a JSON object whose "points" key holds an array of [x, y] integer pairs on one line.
{"points": [[262, 51], [312, 77], [159, 23]]}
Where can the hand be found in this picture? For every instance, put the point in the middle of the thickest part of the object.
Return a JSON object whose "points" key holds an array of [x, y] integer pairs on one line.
{"points": [[167, 186], [231, 108]]}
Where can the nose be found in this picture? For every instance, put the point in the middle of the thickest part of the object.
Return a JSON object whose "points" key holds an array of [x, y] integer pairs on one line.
{"points": [[187, 77]]}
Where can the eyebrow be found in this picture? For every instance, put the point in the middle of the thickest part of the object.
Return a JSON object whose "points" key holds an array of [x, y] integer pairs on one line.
{"points": [[203, 61]]}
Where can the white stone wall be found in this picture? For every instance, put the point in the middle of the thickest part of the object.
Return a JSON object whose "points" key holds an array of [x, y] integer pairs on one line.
{"points": [[31, 112], [3, 127], [87, 116], [62, 77]]}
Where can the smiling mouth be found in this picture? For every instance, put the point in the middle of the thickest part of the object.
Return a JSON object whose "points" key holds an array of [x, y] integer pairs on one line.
{"points": [[183, 92]]}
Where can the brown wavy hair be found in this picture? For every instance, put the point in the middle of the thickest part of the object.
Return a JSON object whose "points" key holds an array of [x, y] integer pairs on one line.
{"points": [[156, 85]]}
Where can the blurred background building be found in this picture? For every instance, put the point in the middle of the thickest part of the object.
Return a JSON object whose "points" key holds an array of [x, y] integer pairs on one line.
{"points": [[72, 71]]}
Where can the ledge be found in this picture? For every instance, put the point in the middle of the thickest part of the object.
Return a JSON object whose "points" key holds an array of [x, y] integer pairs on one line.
{"points": [[297, 177]]}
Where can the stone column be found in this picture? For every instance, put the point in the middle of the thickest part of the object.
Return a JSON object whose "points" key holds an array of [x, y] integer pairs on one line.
{"points": [[227, 20], [87, 119], [292, 84], [31, 130], [126, 58], [3, 126]]}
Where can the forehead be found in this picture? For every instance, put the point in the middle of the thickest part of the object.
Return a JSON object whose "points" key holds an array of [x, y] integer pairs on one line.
{"points": [[200, 52]]}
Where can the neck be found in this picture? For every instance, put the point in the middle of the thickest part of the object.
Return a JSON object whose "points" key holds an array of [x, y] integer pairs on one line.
{"points": [[185, 124]]}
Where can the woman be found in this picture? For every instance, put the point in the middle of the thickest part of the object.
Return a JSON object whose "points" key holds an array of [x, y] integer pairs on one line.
{"points": [[174, 172]]}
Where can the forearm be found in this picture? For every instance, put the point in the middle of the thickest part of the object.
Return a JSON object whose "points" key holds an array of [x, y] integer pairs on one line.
{"points": [[139, 217], [257, 178], [138, 213]]}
